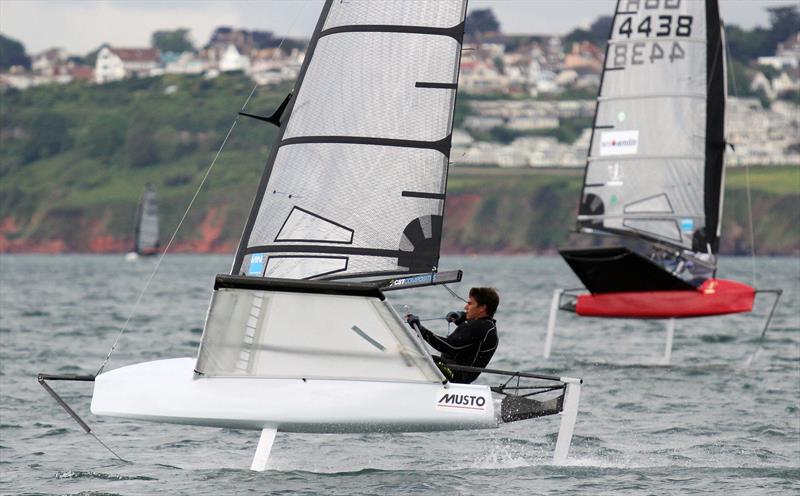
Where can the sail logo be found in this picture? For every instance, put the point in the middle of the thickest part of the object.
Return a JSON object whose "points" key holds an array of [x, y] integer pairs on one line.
{"points": [[412, 280], [616, 176], [619, 142], [448, 401], [256, 267]]}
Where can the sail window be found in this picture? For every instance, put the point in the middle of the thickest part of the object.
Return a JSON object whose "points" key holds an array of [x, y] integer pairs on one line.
{"points": [[302, 225], [654, 204], [304, 266], [667, 228], [272, 334]]}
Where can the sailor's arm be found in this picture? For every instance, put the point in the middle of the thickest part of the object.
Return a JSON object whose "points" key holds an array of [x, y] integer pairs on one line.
{"points": [[438, 343]]}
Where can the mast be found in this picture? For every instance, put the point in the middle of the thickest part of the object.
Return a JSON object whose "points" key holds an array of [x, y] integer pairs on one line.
{"points": [[355, 183], [715, 130]]}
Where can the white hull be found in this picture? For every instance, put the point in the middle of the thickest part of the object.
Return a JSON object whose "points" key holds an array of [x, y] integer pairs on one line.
{"points": [[169, 391]]}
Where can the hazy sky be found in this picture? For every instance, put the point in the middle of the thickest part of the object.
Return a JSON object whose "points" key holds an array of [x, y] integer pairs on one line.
{"points": [[82, 25]]}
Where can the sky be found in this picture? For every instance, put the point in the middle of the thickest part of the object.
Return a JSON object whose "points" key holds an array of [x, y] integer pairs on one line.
{"points": [[81, 26]]}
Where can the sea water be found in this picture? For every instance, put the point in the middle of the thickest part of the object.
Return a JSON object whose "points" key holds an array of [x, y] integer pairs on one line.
{"points": [[723, 418]]}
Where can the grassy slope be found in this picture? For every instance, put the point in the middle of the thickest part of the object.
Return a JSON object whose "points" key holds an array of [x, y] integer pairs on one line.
{"points": [[75, 195], [535, 211]]}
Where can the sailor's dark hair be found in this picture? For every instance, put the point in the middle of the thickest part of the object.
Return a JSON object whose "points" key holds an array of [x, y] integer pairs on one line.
{"points": [[488, 297]]}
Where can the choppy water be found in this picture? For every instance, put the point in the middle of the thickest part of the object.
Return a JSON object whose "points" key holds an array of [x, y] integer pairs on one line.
{"points": [[709, 423]]}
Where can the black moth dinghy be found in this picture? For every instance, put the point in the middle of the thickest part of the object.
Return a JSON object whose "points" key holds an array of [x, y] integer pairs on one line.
{"points": [[300, 336], [655, 172]]}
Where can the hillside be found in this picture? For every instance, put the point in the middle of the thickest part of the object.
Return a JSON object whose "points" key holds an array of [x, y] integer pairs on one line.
{"points": [[74, 160]]}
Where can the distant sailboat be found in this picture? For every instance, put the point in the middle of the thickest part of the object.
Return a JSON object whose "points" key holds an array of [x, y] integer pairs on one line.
{"points": [[300, 336], [655, 172], [146, 233]]}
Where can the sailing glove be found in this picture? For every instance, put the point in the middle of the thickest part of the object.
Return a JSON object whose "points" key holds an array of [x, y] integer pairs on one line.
{"points": [[457, 317], [412, 320]]}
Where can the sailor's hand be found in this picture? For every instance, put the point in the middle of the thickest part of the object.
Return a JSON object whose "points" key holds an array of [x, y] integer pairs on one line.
{"points": [[456, 317], [412, 320]]}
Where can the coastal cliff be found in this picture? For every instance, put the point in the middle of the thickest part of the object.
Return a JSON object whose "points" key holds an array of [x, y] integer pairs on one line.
{"points": [[486, 211]]}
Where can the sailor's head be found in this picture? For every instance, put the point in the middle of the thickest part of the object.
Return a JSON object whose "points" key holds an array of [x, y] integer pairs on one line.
{"points": [[482, 302]]}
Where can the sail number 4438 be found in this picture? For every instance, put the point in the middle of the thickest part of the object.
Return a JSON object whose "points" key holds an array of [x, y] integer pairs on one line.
{"points": [[652, 51], [661, 26], [650, 26]]}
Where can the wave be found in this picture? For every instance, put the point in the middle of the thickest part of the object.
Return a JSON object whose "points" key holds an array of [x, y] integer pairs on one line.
{"points": [[80, 474]]}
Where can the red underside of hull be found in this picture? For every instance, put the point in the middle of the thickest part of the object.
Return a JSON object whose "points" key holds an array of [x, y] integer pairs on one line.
{"points": [[714, 297]]}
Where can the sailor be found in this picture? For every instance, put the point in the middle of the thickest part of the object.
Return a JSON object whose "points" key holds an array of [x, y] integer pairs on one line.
{"points": [[473, 342]]}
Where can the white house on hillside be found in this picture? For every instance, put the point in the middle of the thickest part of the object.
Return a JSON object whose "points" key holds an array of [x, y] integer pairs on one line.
{"points": [[114, 64], [232, 60]]}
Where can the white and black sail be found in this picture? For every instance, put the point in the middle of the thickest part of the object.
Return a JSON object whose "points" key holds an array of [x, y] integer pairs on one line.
{"points": [[146, 235], [655, 164], [355, 184]]}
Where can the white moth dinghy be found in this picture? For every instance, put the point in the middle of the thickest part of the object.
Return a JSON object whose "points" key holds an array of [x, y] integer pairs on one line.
{"points": [[300, 336], [146, 234]]}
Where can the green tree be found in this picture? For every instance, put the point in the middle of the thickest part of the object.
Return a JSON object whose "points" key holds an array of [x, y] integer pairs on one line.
{"points": [[481, 21], [49, 135], [105, 135], [140, 147], [172, 41], [784, 22], [748, 45], [12, 53], [91, 58], [597, 33]]}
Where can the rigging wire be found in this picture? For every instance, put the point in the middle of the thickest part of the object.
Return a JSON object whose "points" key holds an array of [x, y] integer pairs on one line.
{"points": [[186, 212], [746, 173], [104, 445], [171, 239], [455, 295]]}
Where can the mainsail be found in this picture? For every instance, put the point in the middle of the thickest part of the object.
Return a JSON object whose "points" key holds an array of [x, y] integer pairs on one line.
{"points": [[354, 187], [146, 234], [655, 165], [355, 184]]}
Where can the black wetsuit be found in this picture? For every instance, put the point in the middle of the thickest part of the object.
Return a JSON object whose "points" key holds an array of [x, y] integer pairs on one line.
{"points": [[472, 343]]}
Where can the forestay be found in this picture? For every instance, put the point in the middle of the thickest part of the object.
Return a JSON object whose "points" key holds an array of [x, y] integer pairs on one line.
{"points": [[356, 182], [655, 165], [147, 222]]}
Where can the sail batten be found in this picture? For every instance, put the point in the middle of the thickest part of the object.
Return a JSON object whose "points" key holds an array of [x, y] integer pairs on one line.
{"points": [[646, 157], [659, 127], [363, 148], [452, 32]]}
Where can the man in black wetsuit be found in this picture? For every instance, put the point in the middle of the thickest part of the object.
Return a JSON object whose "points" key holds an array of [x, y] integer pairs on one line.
{"points": [[473, 342]]}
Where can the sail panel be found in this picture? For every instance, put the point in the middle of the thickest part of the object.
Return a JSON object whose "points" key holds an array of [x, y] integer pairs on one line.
{"points": [[441, 14], [636, 117], [650, 133], [375, 207], [360, 167], [375, 92]]}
